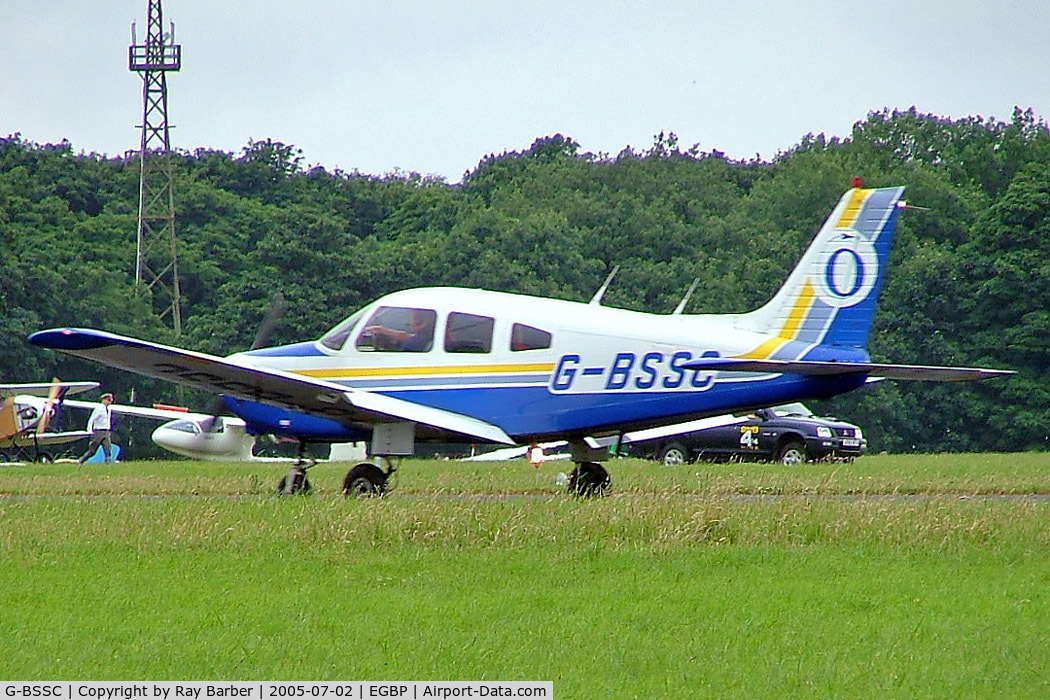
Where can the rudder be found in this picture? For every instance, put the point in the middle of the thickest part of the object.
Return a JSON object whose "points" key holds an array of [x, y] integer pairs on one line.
{"points": [[830, 296]]}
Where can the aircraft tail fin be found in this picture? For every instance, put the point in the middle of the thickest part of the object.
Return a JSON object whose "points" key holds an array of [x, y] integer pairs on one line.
{"points": [[8, 423], [829, 298]]}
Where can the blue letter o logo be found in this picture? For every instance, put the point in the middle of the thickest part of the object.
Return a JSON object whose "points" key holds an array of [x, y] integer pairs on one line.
{"points": [[831, 279]]}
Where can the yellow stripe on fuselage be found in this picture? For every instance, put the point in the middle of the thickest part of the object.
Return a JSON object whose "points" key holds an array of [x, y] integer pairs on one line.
{"points": [[355, 372], [853, 207], [765, 350]]}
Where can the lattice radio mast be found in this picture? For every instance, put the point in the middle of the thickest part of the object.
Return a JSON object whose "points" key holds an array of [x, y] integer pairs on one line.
{"points": [[156, 264]]}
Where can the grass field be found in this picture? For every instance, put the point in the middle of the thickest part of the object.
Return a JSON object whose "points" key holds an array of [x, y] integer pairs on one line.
{"points": [[912, 576]]}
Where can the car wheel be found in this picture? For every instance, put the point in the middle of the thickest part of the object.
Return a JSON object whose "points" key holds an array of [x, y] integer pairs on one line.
{"points": [[674, 454], [792, 453]]}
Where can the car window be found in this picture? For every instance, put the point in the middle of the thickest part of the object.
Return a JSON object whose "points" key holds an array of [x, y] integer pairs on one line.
{"points": [[468, 333], [792, 409]]}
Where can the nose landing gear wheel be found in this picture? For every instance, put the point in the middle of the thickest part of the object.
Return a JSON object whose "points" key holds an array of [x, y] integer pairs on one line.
{"points": [[294, 482]]}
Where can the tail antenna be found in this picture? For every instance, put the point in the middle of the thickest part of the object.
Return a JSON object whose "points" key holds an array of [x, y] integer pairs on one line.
{"points": [[597, 298]]}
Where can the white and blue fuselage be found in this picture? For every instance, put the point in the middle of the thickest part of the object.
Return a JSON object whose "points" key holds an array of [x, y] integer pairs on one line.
{"points": [[605, 369]]}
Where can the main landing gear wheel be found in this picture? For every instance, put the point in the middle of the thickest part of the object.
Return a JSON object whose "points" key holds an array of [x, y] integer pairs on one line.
{"points": [[294, 482], [364, 480], [589, 479]]}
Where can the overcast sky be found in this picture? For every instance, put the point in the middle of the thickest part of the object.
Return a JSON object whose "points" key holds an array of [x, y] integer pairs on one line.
{"points": [[433, 87]]}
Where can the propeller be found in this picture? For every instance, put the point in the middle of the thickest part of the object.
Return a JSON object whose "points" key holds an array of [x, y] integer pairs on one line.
{"points": [[278, 307], [52, 397]]}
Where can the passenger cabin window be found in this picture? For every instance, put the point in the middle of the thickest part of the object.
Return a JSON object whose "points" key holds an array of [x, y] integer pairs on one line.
{"points": [[524, 337], [398, 329], [468, 333]]}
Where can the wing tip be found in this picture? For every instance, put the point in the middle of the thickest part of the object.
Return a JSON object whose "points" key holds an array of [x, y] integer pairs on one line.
{"points": [[68, 339]]}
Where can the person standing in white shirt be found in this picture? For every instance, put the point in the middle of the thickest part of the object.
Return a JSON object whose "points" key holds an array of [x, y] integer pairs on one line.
{"points": [[101, 426]]}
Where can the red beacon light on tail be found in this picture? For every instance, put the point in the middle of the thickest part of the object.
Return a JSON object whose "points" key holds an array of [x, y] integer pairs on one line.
{"points": [[901, 204]]}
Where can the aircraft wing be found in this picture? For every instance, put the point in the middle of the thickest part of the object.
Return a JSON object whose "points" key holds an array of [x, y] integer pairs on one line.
{"points": [[351, 407], [44, 388], [28, 438], [929, 373], [146, 411]]}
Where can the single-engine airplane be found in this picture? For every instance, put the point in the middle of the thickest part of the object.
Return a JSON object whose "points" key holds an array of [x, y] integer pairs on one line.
{"points": [[26, 414], [470, 365]]}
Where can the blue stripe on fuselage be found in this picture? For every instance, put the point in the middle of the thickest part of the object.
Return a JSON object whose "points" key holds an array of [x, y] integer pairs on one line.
{"points": [[536, 412]]}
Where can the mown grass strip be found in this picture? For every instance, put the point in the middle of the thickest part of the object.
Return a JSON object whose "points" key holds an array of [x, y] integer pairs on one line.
{"points": [[184, 571], [955, 475]]}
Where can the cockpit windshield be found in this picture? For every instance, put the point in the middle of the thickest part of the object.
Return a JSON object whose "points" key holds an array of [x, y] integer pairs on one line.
{"points": [[335, 339]]}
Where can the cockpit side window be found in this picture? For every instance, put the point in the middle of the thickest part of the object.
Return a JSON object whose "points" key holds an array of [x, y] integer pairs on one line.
{"points": [[468, 333], [398, 329], [524, 337], [335, 339]]}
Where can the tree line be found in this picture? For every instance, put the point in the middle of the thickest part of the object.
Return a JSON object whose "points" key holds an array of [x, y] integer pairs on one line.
{"points": [[968, 283]]}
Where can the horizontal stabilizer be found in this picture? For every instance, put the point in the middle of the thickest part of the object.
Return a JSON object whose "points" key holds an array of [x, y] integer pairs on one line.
{"points": [[928, 373]]}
